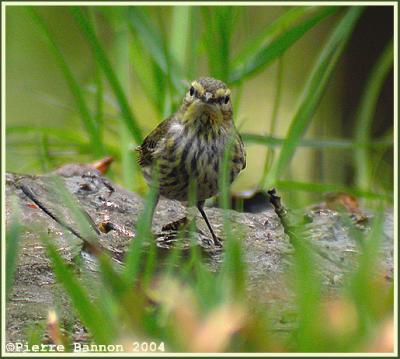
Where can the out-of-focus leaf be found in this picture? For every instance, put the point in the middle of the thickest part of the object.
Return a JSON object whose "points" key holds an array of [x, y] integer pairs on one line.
{"points": [[72, 136], [180, 35], [101, 57], [91, 316], [63, 138], [220, 22], [99, 87], [193, 45], [144, 68], [256, 61], [87, 119], [134, 255], [12, 244], [328, 143], [313, 91], [152, 40], [330, 187], [366, 113], [280, 25]]}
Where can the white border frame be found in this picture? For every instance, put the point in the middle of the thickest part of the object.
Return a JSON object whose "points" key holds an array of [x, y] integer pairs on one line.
{"points": [[183, 3]]}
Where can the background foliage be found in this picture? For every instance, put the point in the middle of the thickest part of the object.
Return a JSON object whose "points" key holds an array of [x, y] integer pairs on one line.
{"points": [[99, 87]]}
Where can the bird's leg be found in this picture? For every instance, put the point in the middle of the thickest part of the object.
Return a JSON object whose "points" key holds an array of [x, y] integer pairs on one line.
{"points": [[216, 240]]}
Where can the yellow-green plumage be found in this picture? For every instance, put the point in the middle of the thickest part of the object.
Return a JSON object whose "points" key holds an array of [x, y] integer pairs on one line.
{"points": [[190, 144]]}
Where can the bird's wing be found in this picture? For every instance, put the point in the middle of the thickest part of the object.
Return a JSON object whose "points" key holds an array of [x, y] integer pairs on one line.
{"points": [[242, 150], [150, 143]]}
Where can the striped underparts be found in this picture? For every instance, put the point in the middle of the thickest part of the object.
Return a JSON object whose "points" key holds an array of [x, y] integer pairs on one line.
{"points": [[193, 156]]}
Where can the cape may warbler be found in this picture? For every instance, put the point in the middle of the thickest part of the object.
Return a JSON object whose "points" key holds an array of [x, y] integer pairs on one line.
{"points": [[189, 146]]}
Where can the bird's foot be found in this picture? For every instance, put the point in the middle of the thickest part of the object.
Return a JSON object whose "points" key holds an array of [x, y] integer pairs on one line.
{"points": [[170, 233], [218, 242], [176, 225]]}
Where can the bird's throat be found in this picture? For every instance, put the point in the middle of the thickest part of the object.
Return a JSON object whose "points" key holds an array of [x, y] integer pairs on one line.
{"points": [[203, 114]]}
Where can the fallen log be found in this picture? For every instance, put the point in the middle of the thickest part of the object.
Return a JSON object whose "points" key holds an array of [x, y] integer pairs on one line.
{"points": [[113, 212]]}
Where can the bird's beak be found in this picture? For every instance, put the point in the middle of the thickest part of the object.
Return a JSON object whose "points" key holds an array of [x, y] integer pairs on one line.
{"points": [[208, 96]]}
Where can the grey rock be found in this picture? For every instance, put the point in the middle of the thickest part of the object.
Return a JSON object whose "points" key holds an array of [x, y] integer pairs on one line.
{"points": [[268, 252]]}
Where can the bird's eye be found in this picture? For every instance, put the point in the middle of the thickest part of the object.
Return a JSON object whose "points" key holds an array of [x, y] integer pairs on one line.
{"points": [[226, 99], [191, 91]]}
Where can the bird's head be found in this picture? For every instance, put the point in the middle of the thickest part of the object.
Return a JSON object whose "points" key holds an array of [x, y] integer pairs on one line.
{"points": [[210, 97]]}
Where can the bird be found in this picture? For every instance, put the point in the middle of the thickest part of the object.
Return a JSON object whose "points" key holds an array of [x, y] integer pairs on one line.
{"points": [[188, 147]]}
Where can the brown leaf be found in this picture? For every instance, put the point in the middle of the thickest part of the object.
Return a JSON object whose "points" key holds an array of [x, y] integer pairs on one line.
{"points": [[103, 164]]}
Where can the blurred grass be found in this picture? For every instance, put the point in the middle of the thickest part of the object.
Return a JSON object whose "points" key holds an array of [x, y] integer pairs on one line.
{"points": [[288, 185], [170, 307], [164, 65], [104, 63], [255, 58], [12, 245], [366, 113], [189, 308], [88, 122], [328, 143], [313, 91], [90, 315], [274, 118]]}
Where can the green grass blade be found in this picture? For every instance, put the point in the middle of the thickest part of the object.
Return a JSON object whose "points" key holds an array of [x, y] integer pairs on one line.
{"points": [[313, 91], [327, 143], [193, 45], [118, 287], [163, 66], [226, 19], [232, 278], [152, 40], [101, 57], [308, 293], [130, 303], [130, 170], [90, 315], [144, 68], [134, 255], [69, 142], [366, 113], [73, 136], [85, 227], [210, 41], [46, 160], [363, 281], [276, 28], [99, 93], [274, 118], [233, 272], [180, 35], [271, 51], [87, 120], [140, 24], [296, 186], [220, 23], [128, 161], [12, 244], [170, 76], [114, 281]]}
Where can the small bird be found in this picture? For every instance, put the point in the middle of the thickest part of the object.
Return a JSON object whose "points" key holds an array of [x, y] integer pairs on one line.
{"points": [[189, 146]]}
